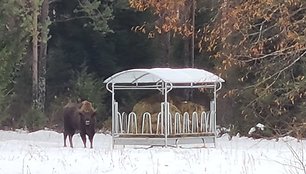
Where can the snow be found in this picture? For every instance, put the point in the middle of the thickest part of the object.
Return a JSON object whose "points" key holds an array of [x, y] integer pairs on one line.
{"points": [[155, 75], [43, 152], [252, 130], [261, 126]]}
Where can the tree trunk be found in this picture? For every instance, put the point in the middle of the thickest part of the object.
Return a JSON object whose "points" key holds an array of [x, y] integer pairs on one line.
{"points": [[186, 52], [192, 62], [187, 63], [189, 48], [35, 55], [43, 55], [167, 47], [193, 7]]}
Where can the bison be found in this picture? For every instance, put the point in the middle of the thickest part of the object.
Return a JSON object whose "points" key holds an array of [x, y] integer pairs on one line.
{"points": [[79, 116]]}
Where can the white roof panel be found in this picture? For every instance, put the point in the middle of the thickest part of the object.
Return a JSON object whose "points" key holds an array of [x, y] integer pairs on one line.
{"points": [[175, 76]]}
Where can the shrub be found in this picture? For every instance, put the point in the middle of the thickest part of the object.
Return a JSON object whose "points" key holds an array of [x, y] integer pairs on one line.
{"points": [[34, 120], [86, 86]]}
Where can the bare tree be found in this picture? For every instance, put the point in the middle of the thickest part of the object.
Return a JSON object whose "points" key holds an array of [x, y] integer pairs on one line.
{"points": [[35, 33]]}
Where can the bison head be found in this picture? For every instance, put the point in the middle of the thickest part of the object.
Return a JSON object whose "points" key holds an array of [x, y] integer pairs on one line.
{"points": [[87, 113]]}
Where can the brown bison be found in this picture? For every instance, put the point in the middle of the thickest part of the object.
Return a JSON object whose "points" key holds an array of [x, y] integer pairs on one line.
{"points": [[79, 116]]}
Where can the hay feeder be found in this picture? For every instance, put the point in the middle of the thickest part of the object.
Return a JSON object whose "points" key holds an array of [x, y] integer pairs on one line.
{"points": [[172, 129]]}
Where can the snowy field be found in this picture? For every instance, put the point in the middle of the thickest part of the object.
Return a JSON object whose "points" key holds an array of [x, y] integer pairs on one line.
{"points": [[43, 152]]}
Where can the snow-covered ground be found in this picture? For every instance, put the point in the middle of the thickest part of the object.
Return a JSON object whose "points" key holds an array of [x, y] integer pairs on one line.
{"points": [[43, 152]]}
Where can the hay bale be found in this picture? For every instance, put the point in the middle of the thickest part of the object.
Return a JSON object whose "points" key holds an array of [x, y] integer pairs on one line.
{"points": [[153, 106]]}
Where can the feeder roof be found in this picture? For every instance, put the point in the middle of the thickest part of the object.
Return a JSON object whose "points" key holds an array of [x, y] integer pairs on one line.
{"points": [[169, 75]]}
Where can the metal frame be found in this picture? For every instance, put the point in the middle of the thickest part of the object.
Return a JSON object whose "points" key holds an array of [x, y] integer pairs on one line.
{"points": [[165, 88], [164, 139]]}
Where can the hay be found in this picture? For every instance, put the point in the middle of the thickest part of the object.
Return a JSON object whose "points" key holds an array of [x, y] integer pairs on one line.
{"points": [[153, 106]]}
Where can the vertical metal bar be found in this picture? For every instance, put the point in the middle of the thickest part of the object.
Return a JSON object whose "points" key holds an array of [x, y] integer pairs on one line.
{"points": [[120, 122], [143, 123], [162, 118], [207, 118], [212, 117], [113, 113], [215, 112], [166, 114], [194, 122], [146, 122], [177, 123], [157, 124], [215, 108], [186, 121], [150, 124], [169, 120], [202, 121], [129, 122], [116, 117]]}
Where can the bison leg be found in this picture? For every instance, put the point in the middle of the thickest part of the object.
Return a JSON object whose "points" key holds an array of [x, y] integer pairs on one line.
{"points": [[83, 136], [70, 140], [91, 141], [65, 137]]}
